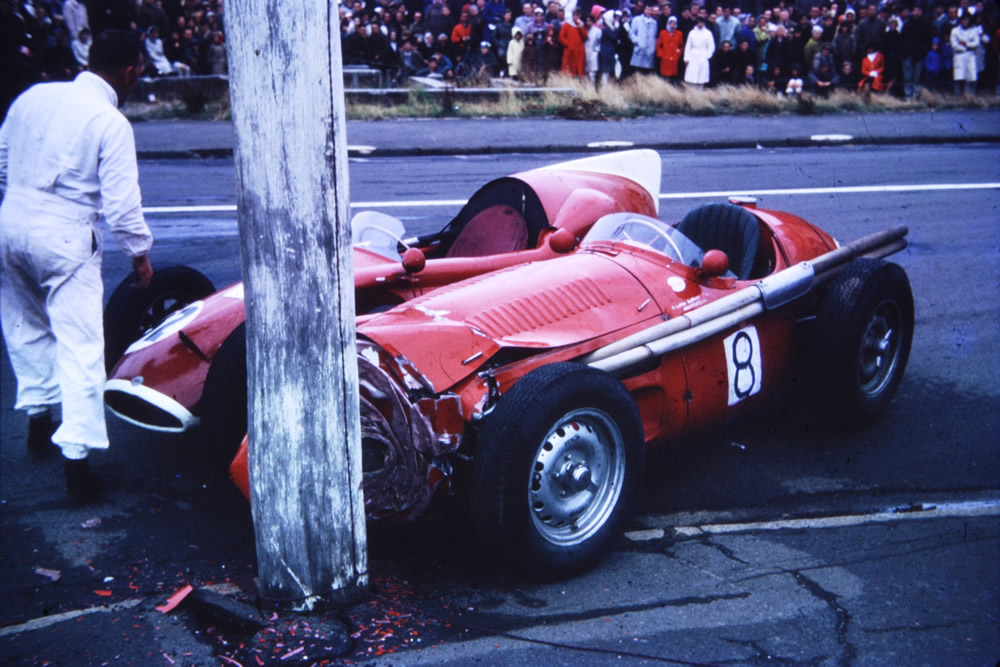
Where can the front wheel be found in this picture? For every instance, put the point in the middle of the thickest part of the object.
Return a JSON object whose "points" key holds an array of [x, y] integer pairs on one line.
{"points": [[224, 398], [557, 463], [133, 311], [864, 331]]}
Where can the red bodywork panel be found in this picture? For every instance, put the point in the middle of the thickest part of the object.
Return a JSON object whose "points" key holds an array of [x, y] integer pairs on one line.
{"points": [[172, 365], [445, 346], [571, 199], [448, 337]]}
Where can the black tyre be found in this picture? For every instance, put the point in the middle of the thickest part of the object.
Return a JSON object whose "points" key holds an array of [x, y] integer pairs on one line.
{"points": [[131, 311], [223, 406], [864, 329], [556, 466]]}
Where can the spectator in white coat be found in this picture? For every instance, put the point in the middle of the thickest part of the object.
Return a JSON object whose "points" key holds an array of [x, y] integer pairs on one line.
{"points": [[75, 17], [81, 47], [593, 47], [697, 52], [157, 58], [964, 42]]}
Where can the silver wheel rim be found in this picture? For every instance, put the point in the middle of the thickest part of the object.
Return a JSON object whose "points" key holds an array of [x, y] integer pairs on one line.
{"points": [[576, 477], [880, 346]]}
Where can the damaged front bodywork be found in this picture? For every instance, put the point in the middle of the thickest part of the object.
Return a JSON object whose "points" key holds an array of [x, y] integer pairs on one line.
{"points": [[405, 443]]}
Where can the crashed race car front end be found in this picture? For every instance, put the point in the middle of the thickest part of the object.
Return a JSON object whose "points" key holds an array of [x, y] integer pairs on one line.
{"points": [[157, 383], [405, 445], [426, 369], [408, 437]]}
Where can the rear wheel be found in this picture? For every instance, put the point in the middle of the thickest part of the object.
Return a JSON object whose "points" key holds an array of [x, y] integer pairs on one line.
{"points": [[557, 463], [864, 331], [132, 311], [224, 399]]}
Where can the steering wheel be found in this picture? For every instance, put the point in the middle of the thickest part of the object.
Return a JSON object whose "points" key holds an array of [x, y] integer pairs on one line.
{"points": [[652, 243]]}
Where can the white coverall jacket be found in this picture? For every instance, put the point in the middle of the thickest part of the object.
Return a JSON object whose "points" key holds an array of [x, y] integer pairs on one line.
{"points": [[964, 42], [700, 47], [66, 154]]}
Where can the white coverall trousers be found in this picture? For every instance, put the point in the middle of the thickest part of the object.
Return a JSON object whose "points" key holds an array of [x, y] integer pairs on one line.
{"points": [[964, 67], [51, 297]]}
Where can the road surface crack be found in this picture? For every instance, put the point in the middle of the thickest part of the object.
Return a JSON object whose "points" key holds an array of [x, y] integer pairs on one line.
{"points": [[850, 652], [916, 627]]}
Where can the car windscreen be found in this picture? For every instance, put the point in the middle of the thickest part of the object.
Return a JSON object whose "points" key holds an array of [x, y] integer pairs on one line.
{"points": [[378, 233], [646, 232]]}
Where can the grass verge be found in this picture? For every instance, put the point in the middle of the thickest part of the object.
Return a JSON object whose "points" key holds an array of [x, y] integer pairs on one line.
{"points": [[636, 97]]}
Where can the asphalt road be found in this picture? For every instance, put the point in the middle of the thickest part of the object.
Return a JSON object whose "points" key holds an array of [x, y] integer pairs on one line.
{"points": [[893, 561]]}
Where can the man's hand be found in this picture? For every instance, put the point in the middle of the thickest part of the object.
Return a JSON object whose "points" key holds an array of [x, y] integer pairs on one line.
{"points": [[143, 271]]}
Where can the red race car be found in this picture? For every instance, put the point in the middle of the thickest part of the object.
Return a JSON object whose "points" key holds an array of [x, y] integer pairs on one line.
{"points": [[537, 388], [176, 352]]}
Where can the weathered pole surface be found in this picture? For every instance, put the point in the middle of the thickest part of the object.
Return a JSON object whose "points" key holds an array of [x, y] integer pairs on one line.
{"points": [[292, 194]]}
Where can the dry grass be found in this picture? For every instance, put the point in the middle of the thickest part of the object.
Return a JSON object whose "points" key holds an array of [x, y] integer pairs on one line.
{"points": [[635, 97], [214, 110], [651, 95]]}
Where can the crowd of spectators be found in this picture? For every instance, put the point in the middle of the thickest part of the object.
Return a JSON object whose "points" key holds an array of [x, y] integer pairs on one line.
{"points": [[788, 46], [49, 40]]}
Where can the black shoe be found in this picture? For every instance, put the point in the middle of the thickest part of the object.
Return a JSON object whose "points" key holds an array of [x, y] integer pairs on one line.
{"points": [[80, 482], [40, 430]]}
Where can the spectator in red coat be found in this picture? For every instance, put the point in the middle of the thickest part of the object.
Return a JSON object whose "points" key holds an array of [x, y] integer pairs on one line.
{"points": [[669, 48], [872, 71], [573, 37]]}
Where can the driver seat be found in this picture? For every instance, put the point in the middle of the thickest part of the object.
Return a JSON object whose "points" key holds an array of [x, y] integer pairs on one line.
{"points": [[726, 227], [492, 231]]}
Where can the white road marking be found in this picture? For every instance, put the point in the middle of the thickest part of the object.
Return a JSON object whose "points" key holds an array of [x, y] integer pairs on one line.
{"points": [[610, 144], [161, 210], [711, 194], [831, 137], [46, 621], [973, 508], [645, 535], [847, 189]]}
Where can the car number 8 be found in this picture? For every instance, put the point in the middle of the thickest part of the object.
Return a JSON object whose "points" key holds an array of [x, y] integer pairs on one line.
{"points": [[743, 364]]}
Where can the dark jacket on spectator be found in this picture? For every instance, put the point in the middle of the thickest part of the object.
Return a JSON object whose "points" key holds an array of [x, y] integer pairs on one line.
{"points": [[437, 21], [917, 36], [609, 45], [823, 72], [744, 58], [845, 47], [779, 55], [892, 51], [726, 65], [869, 33]]}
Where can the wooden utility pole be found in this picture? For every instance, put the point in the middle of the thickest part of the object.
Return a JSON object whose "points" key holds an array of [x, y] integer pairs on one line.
{"points": [[286, 87]]}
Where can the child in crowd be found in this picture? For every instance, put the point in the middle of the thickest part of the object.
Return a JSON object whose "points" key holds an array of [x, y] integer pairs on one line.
{"points": [[934, 67], [794, 86]]}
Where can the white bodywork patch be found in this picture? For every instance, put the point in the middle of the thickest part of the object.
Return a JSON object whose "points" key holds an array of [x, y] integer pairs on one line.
{"points": [[742, 351], [436, 315], [168, 326], [234, 292]]}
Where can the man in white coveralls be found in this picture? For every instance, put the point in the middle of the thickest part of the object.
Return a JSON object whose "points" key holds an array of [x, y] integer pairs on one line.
{"points": [[67, 154]]}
